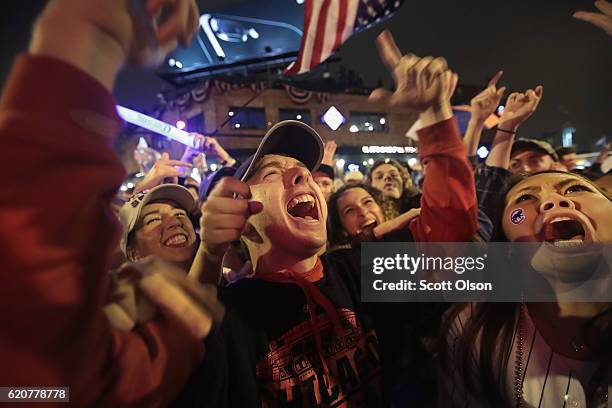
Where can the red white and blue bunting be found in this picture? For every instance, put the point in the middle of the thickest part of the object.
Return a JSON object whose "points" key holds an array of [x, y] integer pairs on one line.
{"points": [[201, 93], [297, 95]]}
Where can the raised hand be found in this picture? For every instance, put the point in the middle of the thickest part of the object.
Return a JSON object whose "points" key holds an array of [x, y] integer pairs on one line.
{"points": [[329, 152], [162, 169], [144, 288], [225, 214], [482, 106], [485, 103], [189, 154], [519, 107], [603, 20], [99, 36], [210, 145], [421, 83]]}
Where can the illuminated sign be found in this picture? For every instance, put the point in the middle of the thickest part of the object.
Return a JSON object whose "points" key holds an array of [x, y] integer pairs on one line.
{"points": [[333, 118]]}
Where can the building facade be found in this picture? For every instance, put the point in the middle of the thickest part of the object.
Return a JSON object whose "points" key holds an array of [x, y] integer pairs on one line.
{"points": [[239, 116]]}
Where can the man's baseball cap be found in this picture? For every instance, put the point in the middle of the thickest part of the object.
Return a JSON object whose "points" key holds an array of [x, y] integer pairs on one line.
{"points": [[130, 212], [291, 138], [533, 144]]}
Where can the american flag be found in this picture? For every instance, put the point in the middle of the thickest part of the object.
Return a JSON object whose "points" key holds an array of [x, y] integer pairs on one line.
{"points": [[328, 23]]}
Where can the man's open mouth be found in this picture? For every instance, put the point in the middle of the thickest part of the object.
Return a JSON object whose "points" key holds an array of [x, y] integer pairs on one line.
{"points": [[564, 232], [176, 241], [303, 206]]}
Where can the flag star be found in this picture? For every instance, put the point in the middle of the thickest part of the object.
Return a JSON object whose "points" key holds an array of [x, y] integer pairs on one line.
{"points": [[397, 3], [387, 11], [371, 11]]}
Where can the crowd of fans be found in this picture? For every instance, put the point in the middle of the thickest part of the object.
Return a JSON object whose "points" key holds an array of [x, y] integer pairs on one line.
{"points": [[244, 290]]}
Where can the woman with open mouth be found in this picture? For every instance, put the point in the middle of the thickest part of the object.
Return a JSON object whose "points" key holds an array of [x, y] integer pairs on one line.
{"points": [[352, 209], [355, 215], [554, 354]]}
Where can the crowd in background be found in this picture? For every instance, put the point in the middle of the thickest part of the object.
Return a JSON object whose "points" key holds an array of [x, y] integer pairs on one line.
{"points": [[243, 289]]}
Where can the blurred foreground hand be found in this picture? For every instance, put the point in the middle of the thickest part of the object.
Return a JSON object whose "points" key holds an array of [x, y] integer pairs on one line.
{"points": [[143, 290]]}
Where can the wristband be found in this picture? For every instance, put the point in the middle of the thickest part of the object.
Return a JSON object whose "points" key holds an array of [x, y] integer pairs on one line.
{"points": [[506, 131]]}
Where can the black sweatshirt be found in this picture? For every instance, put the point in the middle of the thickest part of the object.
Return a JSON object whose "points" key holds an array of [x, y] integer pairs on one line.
{"points": [[264, 353]]}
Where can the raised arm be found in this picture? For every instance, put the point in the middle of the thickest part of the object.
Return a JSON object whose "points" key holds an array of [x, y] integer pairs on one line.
{"points": [[57, 229], [519, 107], [329, 152], [208, 145], [482, 106], [162, 169], [448, 205]]}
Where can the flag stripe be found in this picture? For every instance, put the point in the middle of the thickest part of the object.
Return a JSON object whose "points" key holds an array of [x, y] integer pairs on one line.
{"points": [[331, 28], [351, 17], [295, 66], [342, 23], [320, 33], [310, 35], [328, 23]]}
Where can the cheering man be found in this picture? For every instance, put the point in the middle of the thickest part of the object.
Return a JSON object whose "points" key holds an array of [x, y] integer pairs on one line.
{"points": [[297, 334]]}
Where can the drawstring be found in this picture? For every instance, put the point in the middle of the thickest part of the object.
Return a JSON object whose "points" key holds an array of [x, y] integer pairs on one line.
{"points": [[313, 297]]}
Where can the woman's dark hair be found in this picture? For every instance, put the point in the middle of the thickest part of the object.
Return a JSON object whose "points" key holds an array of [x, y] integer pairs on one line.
{"points": [[495, 323], [335, 231]]}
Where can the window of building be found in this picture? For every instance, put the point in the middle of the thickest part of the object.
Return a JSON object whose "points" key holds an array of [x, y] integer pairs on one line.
{"points": [[368, 122], [303, 115], [196, 123], [247, 118]]}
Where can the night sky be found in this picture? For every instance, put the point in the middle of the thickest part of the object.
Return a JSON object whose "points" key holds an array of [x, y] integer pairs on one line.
{"points": [[534, 42]]}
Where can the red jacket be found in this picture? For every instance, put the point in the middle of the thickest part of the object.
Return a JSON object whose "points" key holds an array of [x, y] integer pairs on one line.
{"points": [[449, 209], [59, 173]]}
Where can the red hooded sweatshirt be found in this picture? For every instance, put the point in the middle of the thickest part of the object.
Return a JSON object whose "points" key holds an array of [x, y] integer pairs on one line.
{"points": [[57, 126]]}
